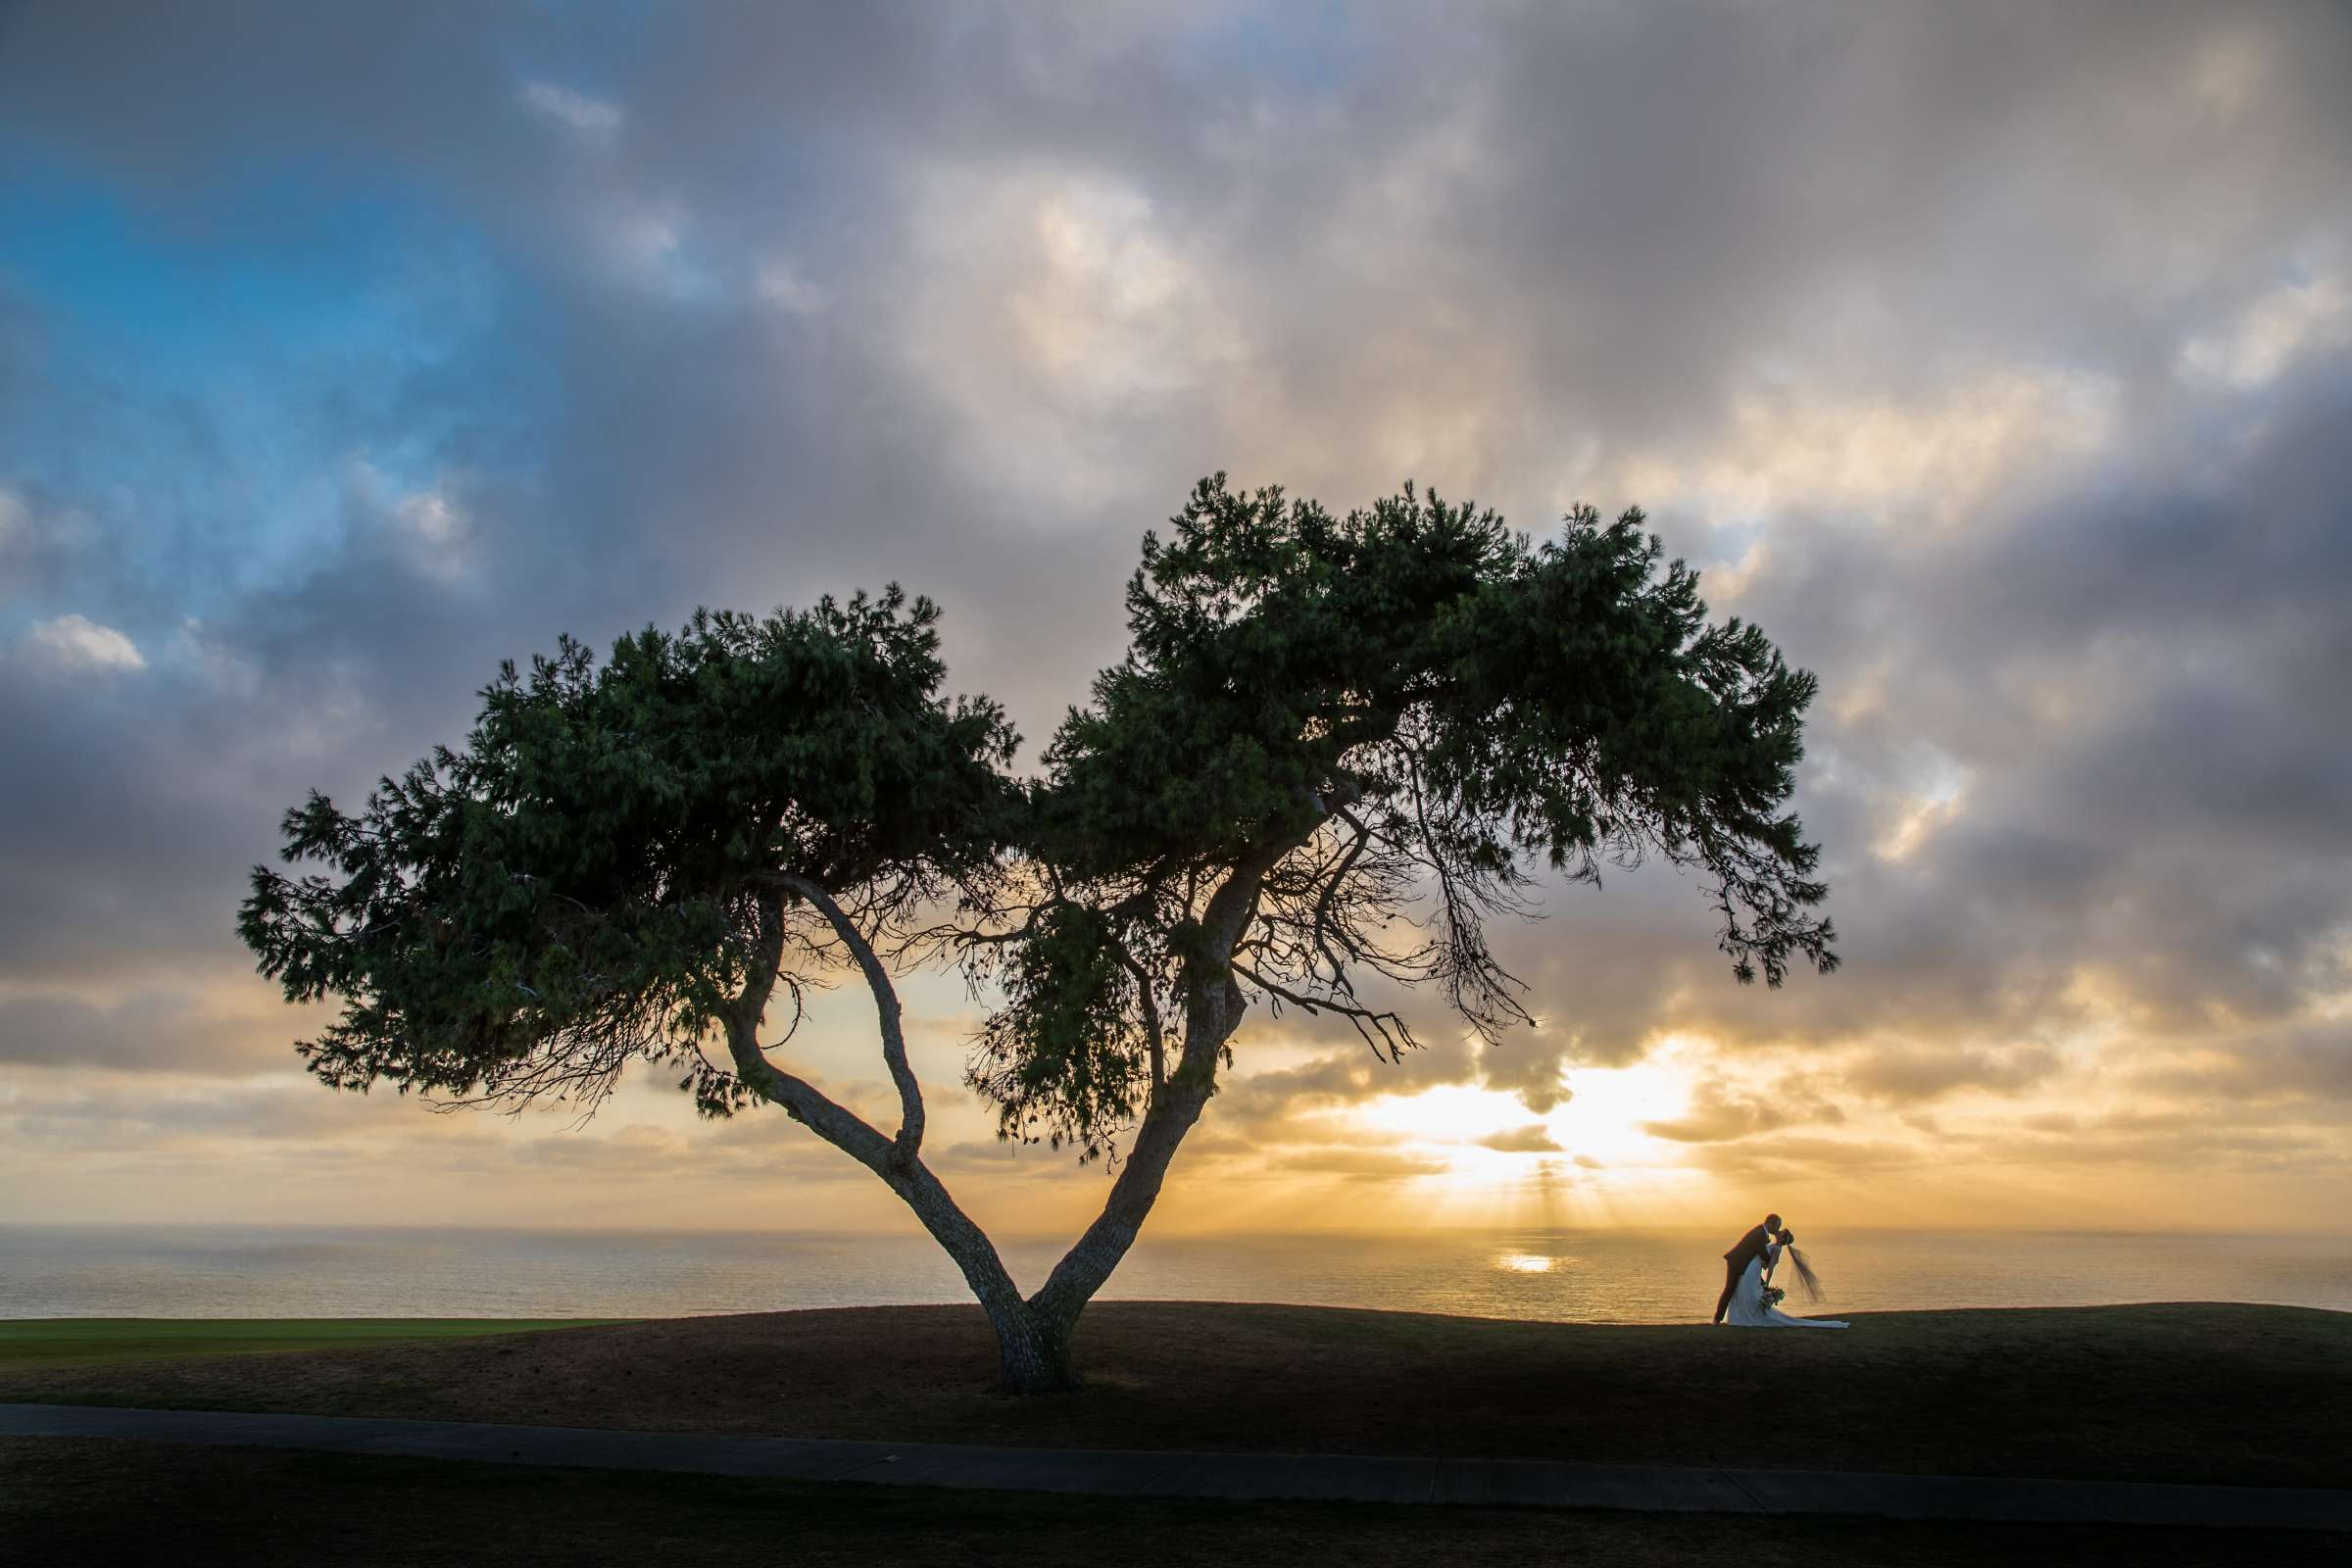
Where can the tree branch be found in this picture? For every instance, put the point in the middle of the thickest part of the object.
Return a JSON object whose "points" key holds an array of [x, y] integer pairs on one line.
{"points": [[801, 1100], [1152, 1038], [905, 1173], [1384, 1030], [885, 1008], [1213, 1007]]}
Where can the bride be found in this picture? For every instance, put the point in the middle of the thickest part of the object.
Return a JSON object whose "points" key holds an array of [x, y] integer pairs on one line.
{"points": [[1748, 1309]]}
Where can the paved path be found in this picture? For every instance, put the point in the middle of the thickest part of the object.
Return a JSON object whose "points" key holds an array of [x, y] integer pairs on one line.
{"points": [[1127, 1473]]}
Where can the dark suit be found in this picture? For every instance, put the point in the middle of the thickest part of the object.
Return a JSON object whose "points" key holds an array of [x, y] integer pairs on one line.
{"points": [[1752, 1244]]}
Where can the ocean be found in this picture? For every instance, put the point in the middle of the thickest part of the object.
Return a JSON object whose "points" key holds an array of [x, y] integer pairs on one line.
{"points": [[1567, 1275]]}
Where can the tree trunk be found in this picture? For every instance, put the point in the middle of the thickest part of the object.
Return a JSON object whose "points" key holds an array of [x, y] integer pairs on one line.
{"points": [[1032, 1336], [1033, 1349], [1033, 1339], [1213, 1010]]}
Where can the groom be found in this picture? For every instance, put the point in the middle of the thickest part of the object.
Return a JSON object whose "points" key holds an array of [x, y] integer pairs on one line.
{"points": [[1735, 1262]]}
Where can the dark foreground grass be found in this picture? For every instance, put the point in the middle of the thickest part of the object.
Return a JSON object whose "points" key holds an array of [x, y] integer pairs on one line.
{"points": [[41, 1343], [69, 1501], [2233, 1393]]}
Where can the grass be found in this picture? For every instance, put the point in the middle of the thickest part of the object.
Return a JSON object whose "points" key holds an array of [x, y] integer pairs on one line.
{"points": [[2236, 1394], [41, 1343], [66, 1502]]}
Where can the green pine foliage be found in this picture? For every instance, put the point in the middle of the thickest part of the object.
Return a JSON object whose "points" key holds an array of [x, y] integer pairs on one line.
{"points": [[1410, 708], [1336, 748], [579, 885]]}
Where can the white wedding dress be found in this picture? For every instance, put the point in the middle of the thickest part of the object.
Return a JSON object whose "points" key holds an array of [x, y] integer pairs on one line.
{"points": [[1748, 1311]]}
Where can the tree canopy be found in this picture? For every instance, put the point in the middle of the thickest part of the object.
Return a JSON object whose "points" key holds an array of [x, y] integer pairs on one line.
{"points": [[1409, 710], [581, 884]]}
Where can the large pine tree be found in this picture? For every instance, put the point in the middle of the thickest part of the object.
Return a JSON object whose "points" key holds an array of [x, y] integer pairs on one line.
{"points": [[1322, 724]]}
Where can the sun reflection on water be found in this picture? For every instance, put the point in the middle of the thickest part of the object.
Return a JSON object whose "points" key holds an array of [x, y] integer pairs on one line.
{"points": [[1526, 1262]]}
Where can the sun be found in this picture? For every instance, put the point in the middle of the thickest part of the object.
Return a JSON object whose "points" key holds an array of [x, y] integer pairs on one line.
{"points": [[1489, 1135], [1450, 1114], [1608, 1107]]}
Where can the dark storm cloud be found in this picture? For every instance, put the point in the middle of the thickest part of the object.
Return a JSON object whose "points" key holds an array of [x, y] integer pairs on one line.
{"points": [[777, 301]]}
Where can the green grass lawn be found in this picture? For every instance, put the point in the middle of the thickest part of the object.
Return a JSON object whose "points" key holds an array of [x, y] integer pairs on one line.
{"points": [[77, 1341], [69, 1501]]}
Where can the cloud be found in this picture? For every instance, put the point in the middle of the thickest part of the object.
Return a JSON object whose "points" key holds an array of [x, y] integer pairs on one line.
{"points": [[2273, 332], [1998, 371], [1362, 1164], [1534, 1139], [1888, 453], [975, 1154], [592, 118], [2297, 1065], [167, 1028], [781, 284], [76, 642], [1719, 1115], [429, 528], [1050, 311], [1909, 1073]]}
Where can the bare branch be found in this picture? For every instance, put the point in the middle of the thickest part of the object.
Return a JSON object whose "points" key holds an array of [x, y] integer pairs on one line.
{"points": [[886, 1009], [1384, 1030]]}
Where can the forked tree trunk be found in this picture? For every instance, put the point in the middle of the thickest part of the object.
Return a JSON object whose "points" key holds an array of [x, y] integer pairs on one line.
{"points": [[1033, 1340], [1213, 1010], [1032, 1336]]}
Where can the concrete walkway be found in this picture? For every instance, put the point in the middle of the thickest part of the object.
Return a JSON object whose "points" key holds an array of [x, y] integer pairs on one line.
{"points": [[1125, 1473]]}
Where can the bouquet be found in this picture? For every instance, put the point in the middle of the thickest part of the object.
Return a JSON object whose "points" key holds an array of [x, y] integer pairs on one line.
{"points": [[1774, 1296]]}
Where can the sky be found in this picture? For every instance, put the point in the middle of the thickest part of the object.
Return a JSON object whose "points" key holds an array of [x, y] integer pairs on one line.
{"points": [[1995, 359]]}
